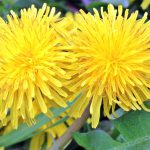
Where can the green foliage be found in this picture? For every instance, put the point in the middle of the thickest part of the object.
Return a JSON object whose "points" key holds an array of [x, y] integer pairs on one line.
{"points": [[96, 140], [64, 5], [25, 132], [16, 5], [134, 128]]}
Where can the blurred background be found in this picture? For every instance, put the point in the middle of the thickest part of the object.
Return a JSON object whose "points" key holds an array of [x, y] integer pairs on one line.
{"points": [[71, 5]]}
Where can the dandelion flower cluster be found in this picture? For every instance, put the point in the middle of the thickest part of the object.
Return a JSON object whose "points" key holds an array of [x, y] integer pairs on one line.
{"points": [[31, 64], [113, 62], [46, 60]]}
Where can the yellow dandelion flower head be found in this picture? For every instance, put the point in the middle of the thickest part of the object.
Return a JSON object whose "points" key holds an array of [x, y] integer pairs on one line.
{"points": [[113, 65], [31, 64]]}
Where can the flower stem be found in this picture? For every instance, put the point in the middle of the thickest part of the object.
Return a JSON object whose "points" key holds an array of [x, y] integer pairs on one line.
{"points": [[67, 136]]}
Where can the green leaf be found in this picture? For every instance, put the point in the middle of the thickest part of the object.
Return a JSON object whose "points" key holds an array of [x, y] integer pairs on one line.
{"points": [[95, 140], [24, 132], [134, 128]]}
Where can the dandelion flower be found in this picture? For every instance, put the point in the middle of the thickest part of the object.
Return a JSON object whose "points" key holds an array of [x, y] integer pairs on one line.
{"points": [[31, 64], [113, 62]]}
